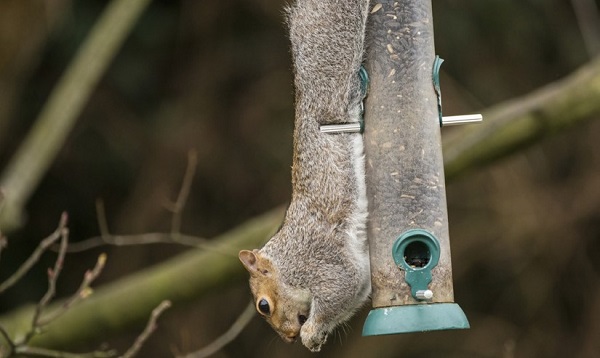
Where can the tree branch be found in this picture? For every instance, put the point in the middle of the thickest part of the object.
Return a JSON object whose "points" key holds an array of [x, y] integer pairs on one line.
{"points": [[517, 124], [53, 275], [27, 167], [19, 345], [120, 304], [150, 328], [145, 239], [174, 237], [83, 292]]}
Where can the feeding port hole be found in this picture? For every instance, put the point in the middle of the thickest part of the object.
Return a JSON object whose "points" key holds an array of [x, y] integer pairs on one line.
{"points": [[417, 254]]}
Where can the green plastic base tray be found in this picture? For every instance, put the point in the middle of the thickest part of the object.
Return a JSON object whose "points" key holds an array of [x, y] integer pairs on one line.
{"points": [[414, 318]]}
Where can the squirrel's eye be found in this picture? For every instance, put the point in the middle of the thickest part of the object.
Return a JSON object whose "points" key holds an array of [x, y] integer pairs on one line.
{"points": [[263, 306], [301, 319]]}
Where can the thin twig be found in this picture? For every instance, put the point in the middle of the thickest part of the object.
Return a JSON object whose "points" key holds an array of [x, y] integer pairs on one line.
{"points": [[82, 292], [58, 265], [147, 287], [150, 328], [51, 292], [184, 192], [35, 256], [240, 323], [21, 347], [174, 237], [101, 218], [145, 239]]}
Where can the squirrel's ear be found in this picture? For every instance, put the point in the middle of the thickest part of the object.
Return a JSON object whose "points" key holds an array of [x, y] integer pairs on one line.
{"points": [[251, 261], [248, 259]]}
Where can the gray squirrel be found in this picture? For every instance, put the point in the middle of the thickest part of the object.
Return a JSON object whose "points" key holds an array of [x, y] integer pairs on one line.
{"points": [[313, 274]]}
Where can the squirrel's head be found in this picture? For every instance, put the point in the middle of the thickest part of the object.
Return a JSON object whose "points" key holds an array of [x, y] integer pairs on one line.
{"points": [[284, 308]]}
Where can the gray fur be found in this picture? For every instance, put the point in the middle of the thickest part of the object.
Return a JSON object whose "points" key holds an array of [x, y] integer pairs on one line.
{"points": [[320, 254]]}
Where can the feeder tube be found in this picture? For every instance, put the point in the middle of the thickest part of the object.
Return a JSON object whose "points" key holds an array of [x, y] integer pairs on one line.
{"points": [[404, 166]]}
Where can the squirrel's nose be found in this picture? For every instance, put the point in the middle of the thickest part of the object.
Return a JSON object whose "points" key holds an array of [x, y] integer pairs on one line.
{"points": [[291, 338]]}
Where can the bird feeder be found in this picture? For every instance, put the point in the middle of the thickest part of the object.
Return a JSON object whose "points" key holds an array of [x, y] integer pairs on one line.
{"points": [[411, 271]]}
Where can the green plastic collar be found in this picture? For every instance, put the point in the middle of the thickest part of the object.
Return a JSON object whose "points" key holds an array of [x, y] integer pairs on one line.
{"points": [[415, 318]]}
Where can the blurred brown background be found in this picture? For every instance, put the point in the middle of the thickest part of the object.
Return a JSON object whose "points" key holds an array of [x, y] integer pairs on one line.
{"points": [[215, 76]]}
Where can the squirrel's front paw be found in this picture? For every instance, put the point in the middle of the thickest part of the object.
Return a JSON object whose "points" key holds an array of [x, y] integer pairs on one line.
{"points": [[312, 338]]}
